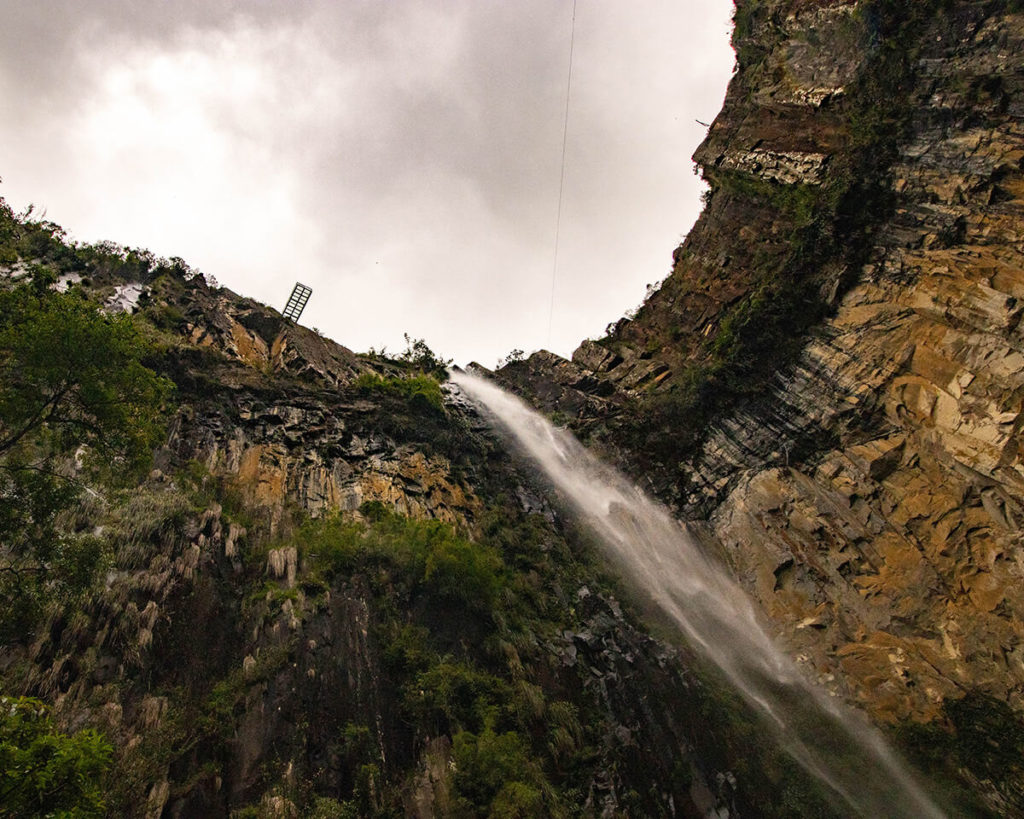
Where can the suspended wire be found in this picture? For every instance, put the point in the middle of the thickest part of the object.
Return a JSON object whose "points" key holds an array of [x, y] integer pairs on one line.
{"points": [[561, 181]]}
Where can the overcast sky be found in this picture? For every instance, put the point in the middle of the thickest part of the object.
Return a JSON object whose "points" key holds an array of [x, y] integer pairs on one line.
{"points": [[401, 157]]}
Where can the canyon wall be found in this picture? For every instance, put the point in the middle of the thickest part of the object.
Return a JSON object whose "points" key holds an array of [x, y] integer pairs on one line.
{"points": [[332, 594], [829, 382], [336, 593]]}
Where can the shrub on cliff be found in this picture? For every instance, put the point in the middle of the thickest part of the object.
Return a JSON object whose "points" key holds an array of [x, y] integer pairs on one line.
{"points": [[76, 402], [424, 556], [44, 772], [421, 357], [496, 775], [423, 391]]}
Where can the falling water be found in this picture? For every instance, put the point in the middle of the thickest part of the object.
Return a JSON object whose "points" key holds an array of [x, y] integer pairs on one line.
{"points": [[836, 745]]}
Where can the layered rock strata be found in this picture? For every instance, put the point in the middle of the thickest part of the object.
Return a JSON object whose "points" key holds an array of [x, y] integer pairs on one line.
{"points": [[871, 495], [231, 673]]}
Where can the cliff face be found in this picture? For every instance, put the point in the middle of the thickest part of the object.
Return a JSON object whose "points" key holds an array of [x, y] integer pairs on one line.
{"points": [[337, 596], [830, 380], [898, 545]]}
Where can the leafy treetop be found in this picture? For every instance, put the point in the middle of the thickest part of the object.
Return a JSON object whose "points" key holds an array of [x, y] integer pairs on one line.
{"points": [[44, 772], [76, 402], [74, 376]]}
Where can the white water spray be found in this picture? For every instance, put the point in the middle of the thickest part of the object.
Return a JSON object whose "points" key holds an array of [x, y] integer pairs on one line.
{"points": [[835, 744]]}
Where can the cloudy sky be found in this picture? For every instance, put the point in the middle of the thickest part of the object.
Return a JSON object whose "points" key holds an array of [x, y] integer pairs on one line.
{"points": [[401, 157]]}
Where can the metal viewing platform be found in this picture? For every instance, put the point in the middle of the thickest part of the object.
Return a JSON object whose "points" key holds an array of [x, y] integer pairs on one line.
{"points": [[297, 301]]}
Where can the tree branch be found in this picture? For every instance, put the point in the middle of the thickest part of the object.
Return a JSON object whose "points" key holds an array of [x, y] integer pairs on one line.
{"points": [[38, 419]]}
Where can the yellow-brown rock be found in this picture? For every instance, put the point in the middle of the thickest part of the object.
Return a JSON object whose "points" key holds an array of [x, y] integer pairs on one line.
{"points": [[871, 496]]}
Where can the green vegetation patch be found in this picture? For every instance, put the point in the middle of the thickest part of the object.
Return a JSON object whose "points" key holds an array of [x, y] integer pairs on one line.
{"points": [[77, 406], [460, 633], [419, 390], [496, 774], [44, 772], [419, 555]]}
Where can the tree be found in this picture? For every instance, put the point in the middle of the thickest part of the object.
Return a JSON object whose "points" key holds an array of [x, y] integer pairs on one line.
{"points": [[512, 358], [75, 402], [44, 772], [420, 356], [73, 376]]}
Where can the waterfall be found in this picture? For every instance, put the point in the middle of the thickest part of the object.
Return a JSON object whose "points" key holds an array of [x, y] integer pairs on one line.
{"points": [[655, 553]]}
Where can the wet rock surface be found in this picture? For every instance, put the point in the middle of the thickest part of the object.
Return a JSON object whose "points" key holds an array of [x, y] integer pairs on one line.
{"points": [[871, 496], [229, 672]]}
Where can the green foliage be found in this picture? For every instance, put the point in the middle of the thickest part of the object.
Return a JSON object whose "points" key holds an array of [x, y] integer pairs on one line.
{"points": [[460, 570], [332, 544], [450, 696], [165, 317], [72, 388], [496, 775], [420, 356], [137, 766], [45, 246], [797, 202], [749, 17], [32, 240], [443, 613], [514, 357], [44, 772], [423, 391], [40, 562], [151, 514], [564, 730], [74, 377], [366, 794], [326, 808], [217, 714], [427, 556], [407, 650]]}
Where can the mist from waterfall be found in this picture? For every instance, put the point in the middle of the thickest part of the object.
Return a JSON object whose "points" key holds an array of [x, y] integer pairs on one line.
{"points": [[655, 553]]}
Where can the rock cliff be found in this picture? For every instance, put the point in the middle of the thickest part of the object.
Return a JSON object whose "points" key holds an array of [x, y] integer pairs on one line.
{"points": [[829, 382], [337, 595]]}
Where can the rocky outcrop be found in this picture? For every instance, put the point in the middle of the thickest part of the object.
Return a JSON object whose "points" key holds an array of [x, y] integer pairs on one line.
{"points": [[892, 556], [317, 452], [249, 332], [870, 495], [238, 657]]}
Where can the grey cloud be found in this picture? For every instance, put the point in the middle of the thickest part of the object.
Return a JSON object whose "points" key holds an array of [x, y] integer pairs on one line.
{"points": [[402, 153]]}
